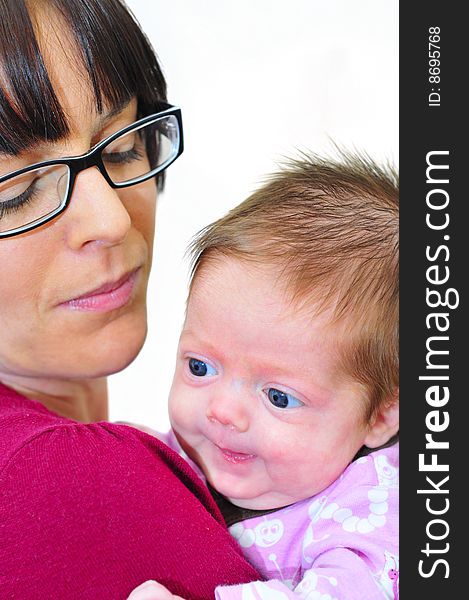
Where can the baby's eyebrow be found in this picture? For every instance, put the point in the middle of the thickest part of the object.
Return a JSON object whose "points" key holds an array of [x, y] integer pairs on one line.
{"points": [[191, 338]]}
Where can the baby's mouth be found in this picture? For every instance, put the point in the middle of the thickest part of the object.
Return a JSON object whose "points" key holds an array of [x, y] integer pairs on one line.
{"points": [[235, 457]]}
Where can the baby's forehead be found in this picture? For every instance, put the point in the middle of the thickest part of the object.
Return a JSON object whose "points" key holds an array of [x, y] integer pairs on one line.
{"points": [[271, 279], [239, 313], [236, 297]]}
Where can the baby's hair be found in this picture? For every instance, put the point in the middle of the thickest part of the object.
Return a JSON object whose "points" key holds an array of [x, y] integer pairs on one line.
{"points": [[329, 226]]}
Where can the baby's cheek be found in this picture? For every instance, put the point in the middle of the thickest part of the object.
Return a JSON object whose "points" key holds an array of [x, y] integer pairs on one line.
{"points": [[182, 409], [287, 456], [176, 407], [277, 450]]}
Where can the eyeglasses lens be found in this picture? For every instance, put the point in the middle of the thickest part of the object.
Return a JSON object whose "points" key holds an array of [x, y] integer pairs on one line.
{"points": [[32, 196], [142, 152]]}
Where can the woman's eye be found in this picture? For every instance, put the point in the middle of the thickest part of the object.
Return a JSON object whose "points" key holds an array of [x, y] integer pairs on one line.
{"points": [[10, 205], [199, 368], [123, 157], [281, 399]]}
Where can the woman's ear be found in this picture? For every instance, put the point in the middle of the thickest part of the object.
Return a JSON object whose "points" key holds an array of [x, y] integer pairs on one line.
{"points": [[385, 423]]}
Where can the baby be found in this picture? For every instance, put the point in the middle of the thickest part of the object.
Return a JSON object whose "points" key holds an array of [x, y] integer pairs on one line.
{"points": [[285, 394]]}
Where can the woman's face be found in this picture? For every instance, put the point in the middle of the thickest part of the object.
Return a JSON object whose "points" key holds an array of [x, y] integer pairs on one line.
{"points": [[72, 292]]}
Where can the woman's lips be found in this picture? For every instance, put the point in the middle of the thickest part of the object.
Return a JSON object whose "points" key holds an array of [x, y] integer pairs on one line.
{"points": [[235, 457], [108, 297]]}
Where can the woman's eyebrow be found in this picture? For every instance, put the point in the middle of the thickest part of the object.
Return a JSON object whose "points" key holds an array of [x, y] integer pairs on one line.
{"points": [[106, 116], [115, 110]]}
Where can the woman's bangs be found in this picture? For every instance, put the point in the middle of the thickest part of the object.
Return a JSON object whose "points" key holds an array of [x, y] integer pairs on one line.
{"points": [[29, 109], [117, 57]]}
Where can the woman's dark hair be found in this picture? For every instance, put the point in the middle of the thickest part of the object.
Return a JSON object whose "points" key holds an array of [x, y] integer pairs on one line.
{"points": [[116, 54]]}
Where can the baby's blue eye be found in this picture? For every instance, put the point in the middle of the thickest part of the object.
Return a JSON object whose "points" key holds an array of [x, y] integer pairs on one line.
{"points": [[282, 399], [199, 368]]}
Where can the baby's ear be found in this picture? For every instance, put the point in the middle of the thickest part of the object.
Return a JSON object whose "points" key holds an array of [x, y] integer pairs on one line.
{"points": [[385, 423]]}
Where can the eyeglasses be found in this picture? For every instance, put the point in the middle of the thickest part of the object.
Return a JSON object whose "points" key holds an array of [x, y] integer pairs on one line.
{"points": [[34, 195]]}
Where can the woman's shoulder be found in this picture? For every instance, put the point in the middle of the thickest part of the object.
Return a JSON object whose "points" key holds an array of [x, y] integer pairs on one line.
{"points": [[85, 464], [21, 420], [38, 445], [54, 465], [25, 423], [74, 495]]}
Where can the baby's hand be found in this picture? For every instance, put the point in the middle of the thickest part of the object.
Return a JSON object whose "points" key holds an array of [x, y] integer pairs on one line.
{"points": [[150, 590]]}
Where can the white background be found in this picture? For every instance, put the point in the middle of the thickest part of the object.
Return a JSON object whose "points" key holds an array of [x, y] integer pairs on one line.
{"points": [[255, 79]]}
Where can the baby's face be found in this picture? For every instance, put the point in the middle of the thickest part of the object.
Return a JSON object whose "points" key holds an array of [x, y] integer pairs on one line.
{"points": [[258, 399]]}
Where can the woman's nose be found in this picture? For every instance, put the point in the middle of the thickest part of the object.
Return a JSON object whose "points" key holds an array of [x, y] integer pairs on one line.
{"points": [[229, 411], [96, 213]]}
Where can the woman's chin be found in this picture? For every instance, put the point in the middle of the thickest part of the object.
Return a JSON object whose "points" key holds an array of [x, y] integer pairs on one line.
{"points": [[76, 346], [92, 354], [114, 350]]}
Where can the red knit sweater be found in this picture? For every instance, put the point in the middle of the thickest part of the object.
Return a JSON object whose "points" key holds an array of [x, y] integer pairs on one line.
{"points": [[90, 511]]}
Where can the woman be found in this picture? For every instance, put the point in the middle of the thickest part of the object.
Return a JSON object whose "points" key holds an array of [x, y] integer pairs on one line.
{"points": [[88, 509]]}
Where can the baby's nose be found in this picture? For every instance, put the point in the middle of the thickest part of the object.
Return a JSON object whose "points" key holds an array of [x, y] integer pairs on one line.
{"points": [[229, 410]]}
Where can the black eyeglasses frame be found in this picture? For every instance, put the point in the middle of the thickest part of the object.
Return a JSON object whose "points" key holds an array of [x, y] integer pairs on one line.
{"points": [[93, 158]]}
